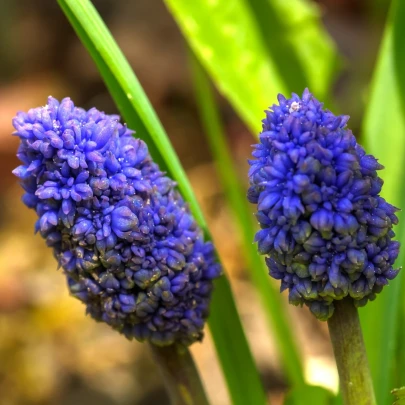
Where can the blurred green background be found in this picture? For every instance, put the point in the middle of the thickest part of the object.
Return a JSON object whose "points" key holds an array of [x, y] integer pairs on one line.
{"points": [[50, 352]]}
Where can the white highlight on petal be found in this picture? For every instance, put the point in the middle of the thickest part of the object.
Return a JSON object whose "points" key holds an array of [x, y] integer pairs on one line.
{"points": [[294, 107]]}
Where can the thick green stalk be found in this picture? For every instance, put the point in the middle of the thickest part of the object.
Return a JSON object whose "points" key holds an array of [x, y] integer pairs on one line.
{"points": [[350, 354], [180, 375], [270, 297]]}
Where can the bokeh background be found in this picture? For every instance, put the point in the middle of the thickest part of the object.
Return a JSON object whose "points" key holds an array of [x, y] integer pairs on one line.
{"points": [[50, 352]]}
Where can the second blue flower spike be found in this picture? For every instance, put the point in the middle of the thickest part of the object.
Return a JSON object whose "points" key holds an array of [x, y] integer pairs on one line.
{"points": [[326, 231]]}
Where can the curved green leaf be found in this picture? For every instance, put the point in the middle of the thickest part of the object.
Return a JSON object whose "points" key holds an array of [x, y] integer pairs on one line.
{"points": [[233, 351], [224, 36], [298, 43], [270, 296]]}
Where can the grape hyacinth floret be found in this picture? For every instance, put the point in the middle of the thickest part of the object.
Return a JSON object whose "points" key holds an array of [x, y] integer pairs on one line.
{"points": [[127, 243], [325, 230]]}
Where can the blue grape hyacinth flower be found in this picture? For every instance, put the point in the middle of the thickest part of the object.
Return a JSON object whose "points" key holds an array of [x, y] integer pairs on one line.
{"points": [[126, 240], [325, 230]]}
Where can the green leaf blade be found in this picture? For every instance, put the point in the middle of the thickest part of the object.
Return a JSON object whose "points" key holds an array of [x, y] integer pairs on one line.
{"points": [[303, 52], [236, 360], [223, 325], [126, 90], [255, 49], [224, 36], [236, 198]]}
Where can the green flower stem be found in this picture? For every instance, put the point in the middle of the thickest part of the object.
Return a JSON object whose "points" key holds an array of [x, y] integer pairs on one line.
{"points": [[180, 375], [350, 353]]}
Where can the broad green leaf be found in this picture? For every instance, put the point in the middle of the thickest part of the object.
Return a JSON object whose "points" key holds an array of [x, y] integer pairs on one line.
{"points": [[384, 132], [298, 43], [254, 49], [224, 35], [233, 351], [236, 198]]}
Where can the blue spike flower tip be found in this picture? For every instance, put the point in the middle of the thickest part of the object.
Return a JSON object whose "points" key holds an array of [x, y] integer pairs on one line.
{"points": [[325, 230], [127, 243]]}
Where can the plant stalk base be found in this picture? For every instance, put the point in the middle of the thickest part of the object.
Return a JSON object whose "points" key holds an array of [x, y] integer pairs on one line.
{"points": [[350, 354], [180, 375]]}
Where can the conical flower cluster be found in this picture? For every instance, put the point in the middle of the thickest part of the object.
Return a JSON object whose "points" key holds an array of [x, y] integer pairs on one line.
{"points": [[326, 231], [128, 245]]}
